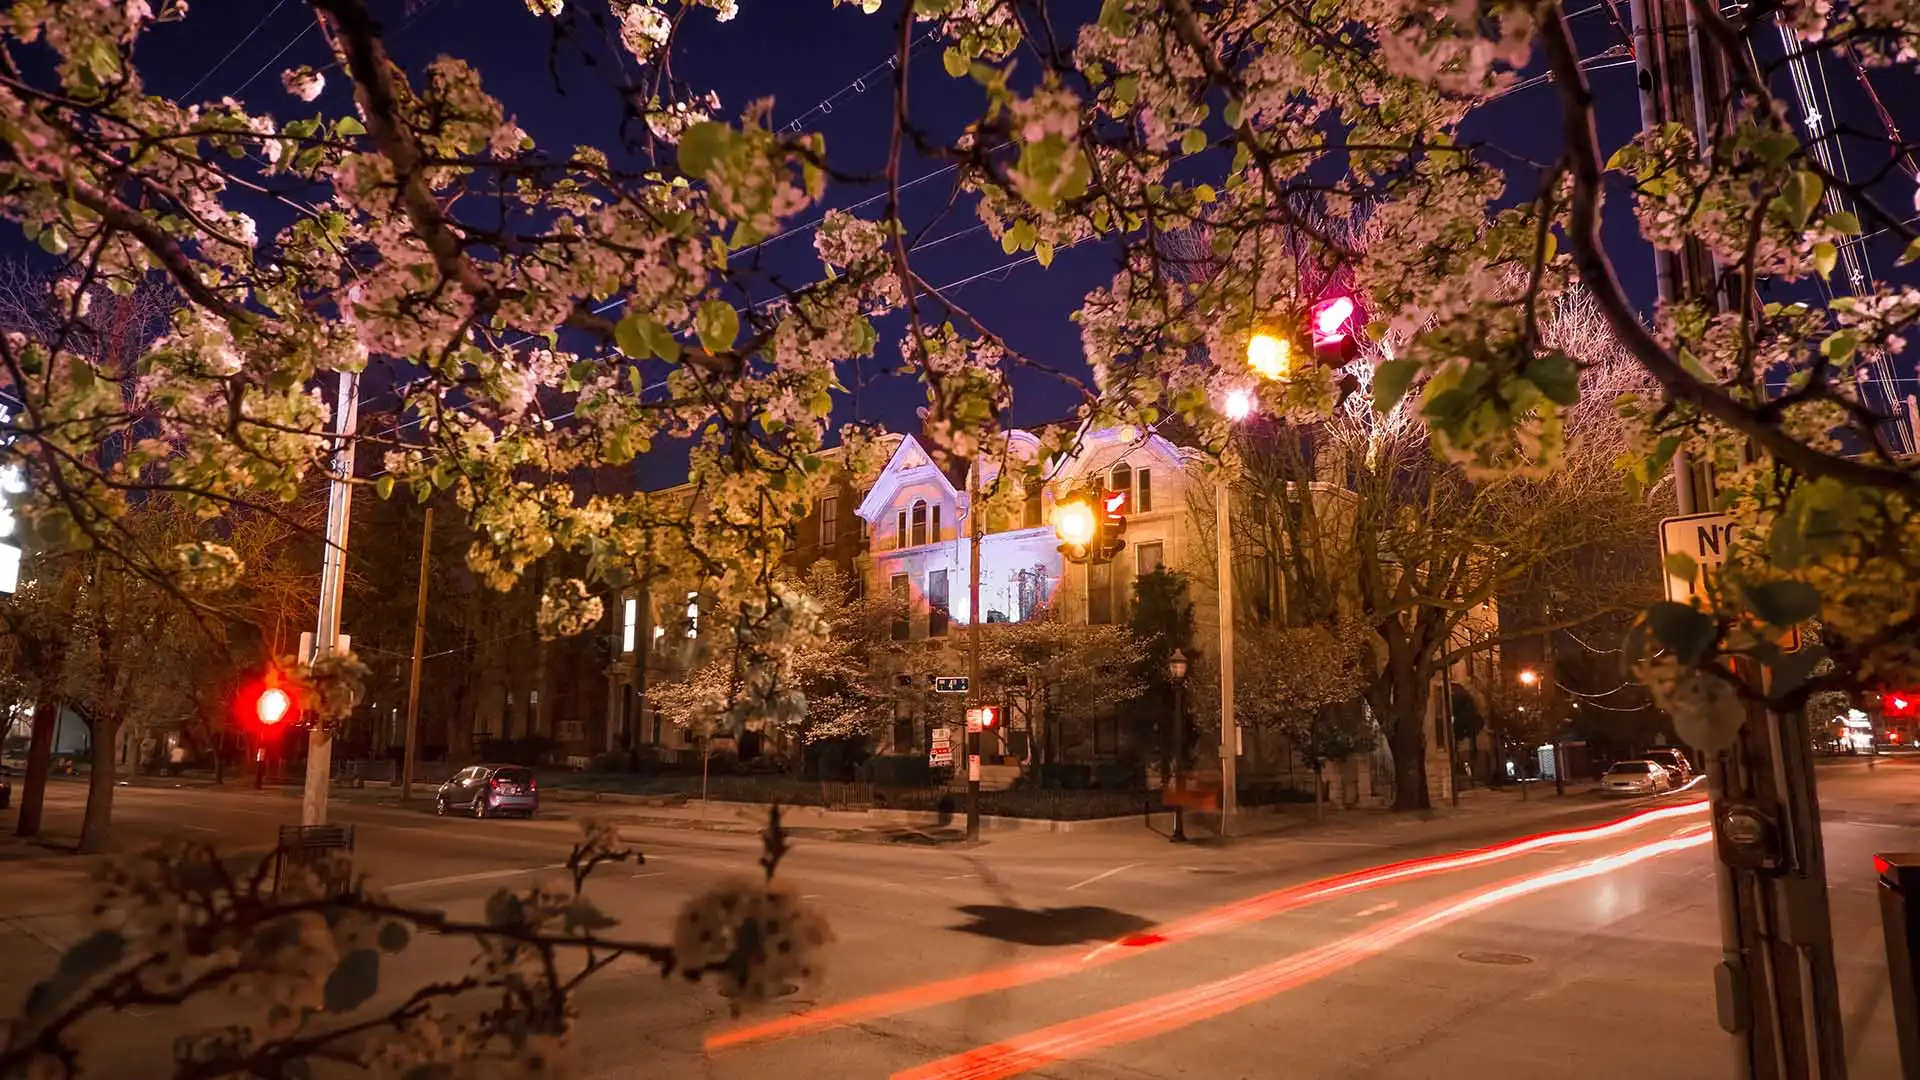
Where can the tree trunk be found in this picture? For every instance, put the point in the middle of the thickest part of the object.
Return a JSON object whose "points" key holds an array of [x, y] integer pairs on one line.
{"points": [[98, 826], [1407, 727], [33, 786]]}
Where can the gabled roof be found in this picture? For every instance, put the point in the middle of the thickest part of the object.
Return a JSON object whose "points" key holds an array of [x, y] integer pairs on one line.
{"points": [[910, 463]]}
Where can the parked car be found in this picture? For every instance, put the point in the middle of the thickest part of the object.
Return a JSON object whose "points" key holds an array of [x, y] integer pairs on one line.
{"points": [[1670, 758], [1636, 778], [486, 790]]}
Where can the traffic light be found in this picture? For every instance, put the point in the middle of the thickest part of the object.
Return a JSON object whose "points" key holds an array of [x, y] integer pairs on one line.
{"points": [[1331, 322], [1076, 522], [266, 703], [1900, 703], [983, 718], [1113, 525]]}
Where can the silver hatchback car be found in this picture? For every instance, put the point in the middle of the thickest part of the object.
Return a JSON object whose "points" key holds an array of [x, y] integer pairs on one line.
{"points": [[486, 790]]}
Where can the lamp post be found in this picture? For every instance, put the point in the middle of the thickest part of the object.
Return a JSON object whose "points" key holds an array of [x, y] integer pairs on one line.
{"points": [[1531, 679], [1177, 673]]}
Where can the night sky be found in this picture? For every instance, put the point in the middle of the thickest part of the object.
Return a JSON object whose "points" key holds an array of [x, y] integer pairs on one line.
{"points": [[807, 55]]}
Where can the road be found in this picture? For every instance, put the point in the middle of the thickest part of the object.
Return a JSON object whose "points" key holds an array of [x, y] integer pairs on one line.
{"points": [[1586, 955]]}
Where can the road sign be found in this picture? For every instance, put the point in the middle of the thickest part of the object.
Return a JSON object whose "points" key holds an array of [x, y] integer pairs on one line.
{"points": [[981, 719], [1707, 539], [949, 684], [940, 753]]}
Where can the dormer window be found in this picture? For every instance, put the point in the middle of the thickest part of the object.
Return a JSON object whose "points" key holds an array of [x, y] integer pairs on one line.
{"points": [[1137, 483], [919, 516]]}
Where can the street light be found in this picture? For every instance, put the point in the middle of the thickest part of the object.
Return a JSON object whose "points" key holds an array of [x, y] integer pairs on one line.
{"points": [[1529, 677], [1074, 522], [1239, 405], [1177, 672]]}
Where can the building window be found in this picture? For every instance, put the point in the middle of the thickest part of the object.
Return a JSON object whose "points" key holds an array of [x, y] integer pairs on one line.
{"points": [[829, 520], [1148, 558], [629, 623], [1137, 483], [937, 599], [1030, 513], [900, 530], [1099, 593], [693, 614], [902, 734], [919, 522], [898, 591], [936, 524]]}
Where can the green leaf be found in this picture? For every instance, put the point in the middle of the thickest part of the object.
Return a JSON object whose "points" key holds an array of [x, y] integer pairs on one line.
{"points": [[354, 981], [701, 145], [394, 937], [641, 336], [1193, 142], [1043, 251], [1391, 380], [53, 242], [1231, 114], [954, 61], [1802, 196], [1682, 630], [1912, 254], [1792, 669], [1783, 603], [1682, 565], [1557, 376], [1825, 255], [1125, 89], [717, 324], [580, 372], [349, 125], [1844, 222], [1204, 193], [384, 486], [1840, 346]]}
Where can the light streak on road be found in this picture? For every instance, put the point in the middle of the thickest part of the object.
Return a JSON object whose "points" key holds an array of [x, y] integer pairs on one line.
{"points": [[1227, 917], [1156, 1016]]}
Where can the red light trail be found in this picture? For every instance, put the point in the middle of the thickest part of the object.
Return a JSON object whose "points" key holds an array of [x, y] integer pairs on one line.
{"points": [[1227, 917], [1168, 1012]]}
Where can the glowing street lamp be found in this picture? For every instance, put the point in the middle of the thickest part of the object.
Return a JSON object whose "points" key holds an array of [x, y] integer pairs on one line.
{"points": [[1529, 677], [1075, 522], [1239, 405]]}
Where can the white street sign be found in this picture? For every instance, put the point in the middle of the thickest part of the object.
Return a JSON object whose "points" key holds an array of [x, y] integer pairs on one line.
{"points": [[941, 752], [1704, 538], [9, 569], [1707, 539]]}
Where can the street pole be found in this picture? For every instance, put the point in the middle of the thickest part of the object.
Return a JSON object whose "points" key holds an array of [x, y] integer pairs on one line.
{"points": [[1179, 754], [973, 650], [1229, 728], [333, 576], [419, 643], [1453, 767], [1776, 987]]}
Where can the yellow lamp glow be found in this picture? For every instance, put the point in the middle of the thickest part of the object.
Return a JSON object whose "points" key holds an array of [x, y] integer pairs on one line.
{"points": [[1073, 522], [1269, 356]]}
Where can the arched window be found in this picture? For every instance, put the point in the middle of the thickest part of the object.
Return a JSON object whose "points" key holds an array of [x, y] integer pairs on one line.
{"points": [[1121, 479], [1137, 484], [919, 522]]}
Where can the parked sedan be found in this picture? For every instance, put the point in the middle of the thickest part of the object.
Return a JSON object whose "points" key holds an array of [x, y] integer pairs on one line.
{"points": [[1674, 762], [486, 790], [1636, 778]]}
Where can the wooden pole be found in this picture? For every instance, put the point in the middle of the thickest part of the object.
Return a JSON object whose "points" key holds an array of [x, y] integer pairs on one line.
{"points": [[419, 643]]}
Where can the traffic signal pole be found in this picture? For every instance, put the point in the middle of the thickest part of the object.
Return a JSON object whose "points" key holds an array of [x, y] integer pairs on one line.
{"points": [[1776, 988], [333, 576], [974, 734]]}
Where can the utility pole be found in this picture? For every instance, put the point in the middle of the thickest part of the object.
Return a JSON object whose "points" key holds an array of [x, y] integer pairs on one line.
{"points": [[1776, 988], [327, 639], [1229, 728], [973, 650], [419, 643]]}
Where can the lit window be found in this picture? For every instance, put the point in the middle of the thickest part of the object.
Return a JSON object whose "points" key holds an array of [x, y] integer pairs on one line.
{"points": [[693, 614], [829, 520], [919, 522], [629, 623]]}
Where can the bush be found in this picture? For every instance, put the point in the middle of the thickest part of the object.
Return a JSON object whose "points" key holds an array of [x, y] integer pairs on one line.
{"points": [[1066, 776], [527, 750], [1119, 776], [1271, 793], [899, 771]]}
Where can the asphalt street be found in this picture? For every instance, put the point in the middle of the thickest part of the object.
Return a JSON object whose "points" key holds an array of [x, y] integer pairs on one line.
{"points": [[1588, 954]]}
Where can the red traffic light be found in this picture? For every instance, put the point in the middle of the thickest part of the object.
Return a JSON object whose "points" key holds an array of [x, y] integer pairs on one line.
{"points": [[266, 702], [1332, 328], [1901, 704], [989, 716], [272, 706]]}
